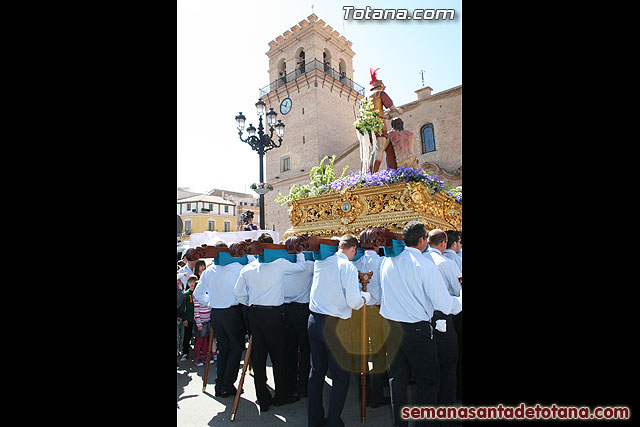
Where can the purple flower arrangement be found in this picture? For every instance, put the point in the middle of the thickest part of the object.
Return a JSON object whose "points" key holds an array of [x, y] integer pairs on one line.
{"points": [[392, 176]]}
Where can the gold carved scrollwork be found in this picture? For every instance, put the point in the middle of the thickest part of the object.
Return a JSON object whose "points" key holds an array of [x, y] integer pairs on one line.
{"points": [[386, 202], [421, 198], [355, 209], [296, 214], [319, 212], [350, 207], [375, 202], [452, 213]]}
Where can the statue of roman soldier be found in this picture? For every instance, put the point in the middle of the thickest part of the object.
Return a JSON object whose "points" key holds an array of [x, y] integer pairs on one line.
{"points": [[381, 99]]}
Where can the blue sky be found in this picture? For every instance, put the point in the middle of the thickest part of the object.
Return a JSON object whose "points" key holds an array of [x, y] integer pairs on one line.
{"points": [[221, 64]]}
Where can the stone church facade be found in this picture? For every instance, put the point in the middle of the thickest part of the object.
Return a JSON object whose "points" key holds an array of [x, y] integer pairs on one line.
{"points": [[312, 90]]}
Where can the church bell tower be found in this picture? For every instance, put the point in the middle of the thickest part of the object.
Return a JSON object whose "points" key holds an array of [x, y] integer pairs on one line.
{"points": [[312, 90]]}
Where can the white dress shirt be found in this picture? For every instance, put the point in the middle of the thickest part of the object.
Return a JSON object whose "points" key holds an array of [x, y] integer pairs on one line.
{"points": [[449, 271], [297, 286], [371, 261], [335, 290], [412, 288], [450, 254], [261, 283], [215, 287]]}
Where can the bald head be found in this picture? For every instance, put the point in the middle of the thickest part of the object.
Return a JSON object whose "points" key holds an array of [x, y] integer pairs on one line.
{"points": [[437, 239]]}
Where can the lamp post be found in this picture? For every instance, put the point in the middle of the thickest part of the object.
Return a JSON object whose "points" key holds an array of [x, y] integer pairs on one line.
{"points": [[262, 142]]}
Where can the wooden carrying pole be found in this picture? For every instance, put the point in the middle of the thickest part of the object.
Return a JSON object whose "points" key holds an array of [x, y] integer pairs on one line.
{"points": [[236, 401], [208, 361], [364, 280], [363, 364]]}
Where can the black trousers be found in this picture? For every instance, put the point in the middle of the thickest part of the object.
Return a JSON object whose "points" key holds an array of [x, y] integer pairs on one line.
{"points": [[327, 338], [186, 340], [448, 357], [227, 328], [268, 331], [411, 347], [245, 320], [297, 316], [457, 322]]}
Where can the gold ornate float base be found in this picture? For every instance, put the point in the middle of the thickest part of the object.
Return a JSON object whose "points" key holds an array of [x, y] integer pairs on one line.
{"points": [[356, 208]]}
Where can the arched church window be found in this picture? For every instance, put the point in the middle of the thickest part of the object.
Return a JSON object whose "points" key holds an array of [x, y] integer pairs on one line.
{"points": [[282, 72], [301, 62], [326, 60], [342, 69], [428, 139]]}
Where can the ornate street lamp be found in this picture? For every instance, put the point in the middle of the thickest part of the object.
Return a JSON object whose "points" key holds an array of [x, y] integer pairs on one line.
{"points": [[262, 142]]}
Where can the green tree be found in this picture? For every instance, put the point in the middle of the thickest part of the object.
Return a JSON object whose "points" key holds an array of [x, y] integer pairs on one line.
{"points": [[320, 178]]}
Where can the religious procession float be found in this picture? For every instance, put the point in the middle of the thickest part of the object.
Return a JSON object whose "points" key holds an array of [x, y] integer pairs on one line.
{"points": [[374, 205], [388, 198]]}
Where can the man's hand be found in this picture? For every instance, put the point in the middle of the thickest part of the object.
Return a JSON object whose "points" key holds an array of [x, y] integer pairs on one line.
{"points": [[185, 323]]}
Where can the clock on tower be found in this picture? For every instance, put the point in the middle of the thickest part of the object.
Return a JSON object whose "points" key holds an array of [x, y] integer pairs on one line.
{"points": [[285, 105], [310, 66]]}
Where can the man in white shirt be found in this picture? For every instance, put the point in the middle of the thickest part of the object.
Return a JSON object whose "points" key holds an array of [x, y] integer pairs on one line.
{"points": [[335, 292], [412, 289], [454, 251], [448, 268], [453, 248], [371, 261], [445, 332], [216, 290], [297, 287], [260, 286]]}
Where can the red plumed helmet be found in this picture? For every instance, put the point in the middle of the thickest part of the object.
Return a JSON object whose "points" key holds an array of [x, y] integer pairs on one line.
{"points": [[373, 75]]}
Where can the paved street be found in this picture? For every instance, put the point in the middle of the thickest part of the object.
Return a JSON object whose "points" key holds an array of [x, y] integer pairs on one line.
{"points": [[196, 408]]}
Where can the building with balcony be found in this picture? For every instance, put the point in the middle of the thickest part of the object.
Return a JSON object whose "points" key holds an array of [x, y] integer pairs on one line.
{"points": [[243, 201], [202, 212]]}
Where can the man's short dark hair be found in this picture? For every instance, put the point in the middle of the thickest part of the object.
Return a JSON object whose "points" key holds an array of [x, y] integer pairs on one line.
{"points": [[189, 254], [220, 244], [347, 241], [412, 232], [452, 237], [265, 238], [436, 236]]}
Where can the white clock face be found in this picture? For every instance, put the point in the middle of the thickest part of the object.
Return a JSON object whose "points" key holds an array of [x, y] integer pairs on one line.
{"points": [[285, 106]]}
